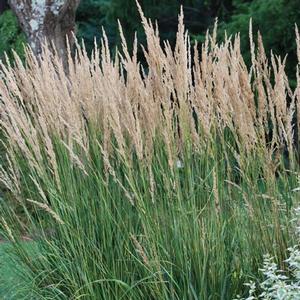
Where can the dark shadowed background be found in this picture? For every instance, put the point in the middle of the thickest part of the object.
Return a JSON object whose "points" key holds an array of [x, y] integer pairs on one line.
{"points": [[275, 19]]}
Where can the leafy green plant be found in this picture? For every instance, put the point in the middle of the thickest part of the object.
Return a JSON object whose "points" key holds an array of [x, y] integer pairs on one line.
{"points": [[279, 284], [11, 36]]}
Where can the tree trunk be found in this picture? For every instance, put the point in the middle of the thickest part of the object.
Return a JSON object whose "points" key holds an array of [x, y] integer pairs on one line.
{"points": [[51, 20]]}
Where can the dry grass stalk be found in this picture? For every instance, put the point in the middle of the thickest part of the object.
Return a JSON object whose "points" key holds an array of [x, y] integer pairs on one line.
{"points": [[216, 193], [140, 250], [124, 103], [110, 171], [46, 208], [8, 230], [10, 176], [244, 194]]}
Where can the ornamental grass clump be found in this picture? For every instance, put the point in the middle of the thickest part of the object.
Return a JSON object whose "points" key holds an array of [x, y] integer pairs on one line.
{"points": [[164, 181]]}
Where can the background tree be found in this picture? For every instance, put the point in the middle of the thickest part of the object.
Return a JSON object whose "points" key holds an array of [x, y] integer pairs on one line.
{"points": [[92, 14], [50, 19], [274, 18]]}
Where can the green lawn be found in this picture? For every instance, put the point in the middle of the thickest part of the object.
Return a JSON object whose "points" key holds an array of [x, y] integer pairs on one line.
{"points": [[10, 282], [6, 272]]}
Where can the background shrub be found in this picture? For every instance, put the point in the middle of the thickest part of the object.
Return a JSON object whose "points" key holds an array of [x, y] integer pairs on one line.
{"points": [[11, 36]]}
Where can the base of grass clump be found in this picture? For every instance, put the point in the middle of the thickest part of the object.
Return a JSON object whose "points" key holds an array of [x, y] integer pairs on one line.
{"points": [[121, 229]]}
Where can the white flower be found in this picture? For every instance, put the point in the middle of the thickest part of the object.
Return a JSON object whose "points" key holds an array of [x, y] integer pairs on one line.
{"points": [[179, 164]]}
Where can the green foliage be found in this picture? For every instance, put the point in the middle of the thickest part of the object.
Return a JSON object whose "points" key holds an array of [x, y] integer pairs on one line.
{"points": [[93, 14], [11, 36], [278, 282], [198, 236], [10, 284], [275, 19], [90, 18]]}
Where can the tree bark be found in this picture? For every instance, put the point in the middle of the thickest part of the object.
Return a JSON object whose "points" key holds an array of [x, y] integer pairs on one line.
{"points": [[51, 20]]}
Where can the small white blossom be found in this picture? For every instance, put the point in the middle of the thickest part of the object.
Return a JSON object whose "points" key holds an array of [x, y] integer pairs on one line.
{"points": [[179, 164]]}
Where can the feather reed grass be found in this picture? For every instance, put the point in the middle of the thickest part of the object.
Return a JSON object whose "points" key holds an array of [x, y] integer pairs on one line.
{"points": [[165, 181]]}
